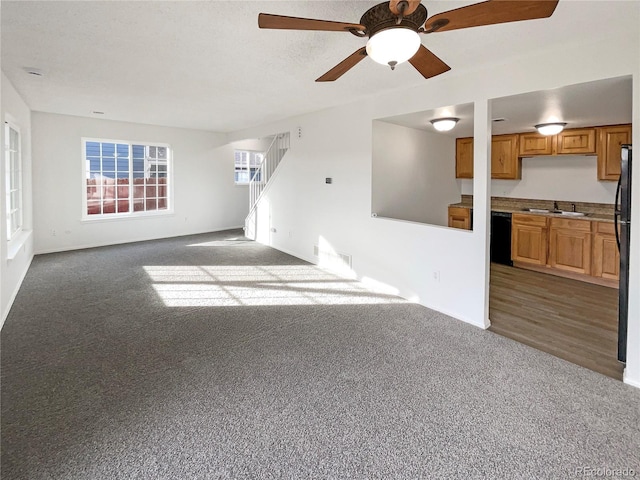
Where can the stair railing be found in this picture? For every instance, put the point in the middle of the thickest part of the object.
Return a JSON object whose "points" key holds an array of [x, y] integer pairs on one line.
{"points": [[270, 162]]}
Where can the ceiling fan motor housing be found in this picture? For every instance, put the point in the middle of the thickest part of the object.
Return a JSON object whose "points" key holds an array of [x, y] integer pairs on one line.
{"points": [[380, 18]]}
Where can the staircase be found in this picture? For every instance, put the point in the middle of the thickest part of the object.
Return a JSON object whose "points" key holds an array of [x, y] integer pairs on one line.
{"points": [[262, 178]]}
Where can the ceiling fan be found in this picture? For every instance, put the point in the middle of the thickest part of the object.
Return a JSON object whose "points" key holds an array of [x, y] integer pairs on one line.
{"points": [[393, 27]]}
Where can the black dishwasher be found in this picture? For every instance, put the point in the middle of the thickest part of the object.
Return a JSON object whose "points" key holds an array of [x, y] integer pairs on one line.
{"points": [[501, 238]]}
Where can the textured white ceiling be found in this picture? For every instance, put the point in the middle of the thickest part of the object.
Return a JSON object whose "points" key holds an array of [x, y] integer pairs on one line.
{"points": [[206, 65], [602, 102]]}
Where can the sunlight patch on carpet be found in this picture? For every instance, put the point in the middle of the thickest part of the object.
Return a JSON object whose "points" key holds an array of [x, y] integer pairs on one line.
{"points": [[224, 286]]}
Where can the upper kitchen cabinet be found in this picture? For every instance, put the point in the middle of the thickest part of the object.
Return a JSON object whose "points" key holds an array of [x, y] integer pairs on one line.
{"points": [[532, 144], [610, 139], [505, 163], [464, 157], [576, 141]]}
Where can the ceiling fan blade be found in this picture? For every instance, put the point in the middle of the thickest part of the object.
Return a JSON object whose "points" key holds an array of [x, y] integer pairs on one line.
{"points": [[490, 13], [427, 63], [411, 7], [266, 20], [344, 66]]}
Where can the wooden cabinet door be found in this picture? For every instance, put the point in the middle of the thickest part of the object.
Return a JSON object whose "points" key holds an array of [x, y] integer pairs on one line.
{"points": [[610, 140], [464, 157], [605, 255], [460, 217], [504, 157], [579, 141], [532, 144], [570, 245], [529, 239]]}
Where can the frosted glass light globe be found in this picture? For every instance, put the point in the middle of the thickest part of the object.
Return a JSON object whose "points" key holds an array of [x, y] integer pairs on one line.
{"points": [[444, 124], [550, 128], [393, 46]]}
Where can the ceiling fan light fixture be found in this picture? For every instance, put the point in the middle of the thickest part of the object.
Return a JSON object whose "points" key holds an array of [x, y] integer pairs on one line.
{"points": [[444, 124], [550, 128], [393, 46]]}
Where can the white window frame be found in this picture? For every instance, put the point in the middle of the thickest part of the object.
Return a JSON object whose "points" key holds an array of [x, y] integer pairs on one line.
{"points": [[14, 229], [148, 163], [251, 155]]}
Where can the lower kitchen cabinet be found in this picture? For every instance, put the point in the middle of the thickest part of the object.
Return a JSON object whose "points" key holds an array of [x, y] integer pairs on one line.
{"points": [[529, 239], [460, 217], [605, 261], [580, 249], [570, 245]]}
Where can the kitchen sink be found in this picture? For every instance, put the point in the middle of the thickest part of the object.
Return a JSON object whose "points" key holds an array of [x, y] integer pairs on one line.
{"points": [[570, 214], [536, 210]]}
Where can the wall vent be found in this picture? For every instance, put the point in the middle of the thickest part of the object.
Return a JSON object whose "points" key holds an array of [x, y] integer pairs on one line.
{"points": [[332, 260]]}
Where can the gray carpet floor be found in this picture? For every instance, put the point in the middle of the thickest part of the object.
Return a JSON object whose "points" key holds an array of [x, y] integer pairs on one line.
{"points": [[209, 356]]}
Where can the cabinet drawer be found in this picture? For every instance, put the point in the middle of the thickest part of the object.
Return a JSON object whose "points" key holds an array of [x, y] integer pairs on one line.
{"points": [[459, 211], [460, 217], [579, 225], [605, 227], [524, 219]]}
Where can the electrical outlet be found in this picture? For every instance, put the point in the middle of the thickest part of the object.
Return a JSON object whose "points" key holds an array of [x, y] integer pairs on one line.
{"points": [[53, 233], [436, 276]]}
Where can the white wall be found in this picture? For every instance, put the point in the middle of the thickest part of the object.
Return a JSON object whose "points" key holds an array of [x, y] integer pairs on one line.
{"points": [[253, 144], [413, 174], [304, 210], [563, 178], [13, 270], [205, 198]]}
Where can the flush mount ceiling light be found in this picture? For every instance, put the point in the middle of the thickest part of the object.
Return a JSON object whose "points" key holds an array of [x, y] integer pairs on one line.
{"points": [[444, 124], [393, 46], [550, 128]]}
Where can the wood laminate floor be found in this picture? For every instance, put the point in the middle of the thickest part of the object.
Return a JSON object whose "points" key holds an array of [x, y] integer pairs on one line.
{"points": [[573, 320]]}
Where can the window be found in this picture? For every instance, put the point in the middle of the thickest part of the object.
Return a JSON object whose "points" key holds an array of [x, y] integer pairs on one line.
{"points": [[13, 178], [247, 163], [123, 178]]}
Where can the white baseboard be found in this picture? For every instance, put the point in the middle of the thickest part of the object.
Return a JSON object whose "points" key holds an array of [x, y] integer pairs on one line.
{"points": [[630, 381], [133, 240], [5, 314], [457, 316], [439, 310]]}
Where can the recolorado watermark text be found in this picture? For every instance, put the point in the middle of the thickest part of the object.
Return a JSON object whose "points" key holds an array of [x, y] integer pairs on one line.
{"points": [[604, 472]]}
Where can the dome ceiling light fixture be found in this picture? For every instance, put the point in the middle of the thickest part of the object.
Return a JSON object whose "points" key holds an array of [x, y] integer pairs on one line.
{"points": [[393, 46], [550, 128], [393, 29], [444, 124]]}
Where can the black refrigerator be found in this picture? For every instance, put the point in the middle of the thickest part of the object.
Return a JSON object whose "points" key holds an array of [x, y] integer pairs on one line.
{"points": [[622, 219]]}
